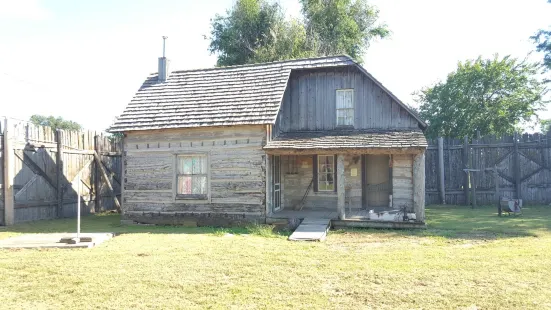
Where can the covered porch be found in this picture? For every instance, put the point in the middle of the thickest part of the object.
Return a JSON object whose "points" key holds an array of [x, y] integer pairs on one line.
{"points": [[350, 183]]}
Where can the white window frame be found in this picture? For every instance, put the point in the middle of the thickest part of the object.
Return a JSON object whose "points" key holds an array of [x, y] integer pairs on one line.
{"points": [[331, 173], [343, 110], [206, 174]]}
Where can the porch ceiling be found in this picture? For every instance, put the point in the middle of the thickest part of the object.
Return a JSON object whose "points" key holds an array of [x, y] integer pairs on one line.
{"points": [[366, 141]]}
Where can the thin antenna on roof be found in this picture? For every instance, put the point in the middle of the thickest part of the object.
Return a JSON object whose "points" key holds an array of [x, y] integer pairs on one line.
{"points": [[164, 41]]}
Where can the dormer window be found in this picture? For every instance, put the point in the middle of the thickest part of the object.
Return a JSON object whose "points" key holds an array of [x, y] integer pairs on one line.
{"points": [[345, 107]]}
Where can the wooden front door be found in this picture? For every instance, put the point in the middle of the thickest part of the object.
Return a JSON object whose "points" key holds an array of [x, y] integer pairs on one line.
{"points": [[276, 181]]}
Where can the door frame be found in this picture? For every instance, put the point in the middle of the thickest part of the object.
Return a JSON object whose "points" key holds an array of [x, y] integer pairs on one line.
{"points": [[276, 183]]}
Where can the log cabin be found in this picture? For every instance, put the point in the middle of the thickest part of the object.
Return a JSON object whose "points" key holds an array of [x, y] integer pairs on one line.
{"points": [[316, 137]]}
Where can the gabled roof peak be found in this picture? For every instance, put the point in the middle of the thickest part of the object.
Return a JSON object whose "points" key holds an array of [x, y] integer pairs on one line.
{"points": [[235, 95]]}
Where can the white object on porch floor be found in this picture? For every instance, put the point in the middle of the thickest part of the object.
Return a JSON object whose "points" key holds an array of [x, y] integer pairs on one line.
{"points": [[311, 229]]}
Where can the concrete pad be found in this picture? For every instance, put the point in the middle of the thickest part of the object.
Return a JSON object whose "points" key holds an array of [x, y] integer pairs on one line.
{"points": [[311, 230], [54, 240]]}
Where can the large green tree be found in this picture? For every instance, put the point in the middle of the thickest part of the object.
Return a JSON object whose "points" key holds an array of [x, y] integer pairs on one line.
{"points": [[258, 31], [491, 96], [342, 26], [542, 39], [55, 122]]}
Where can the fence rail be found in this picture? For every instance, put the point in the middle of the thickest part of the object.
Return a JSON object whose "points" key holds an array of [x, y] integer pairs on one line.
{"points": [[463, 171], [39, 168]]}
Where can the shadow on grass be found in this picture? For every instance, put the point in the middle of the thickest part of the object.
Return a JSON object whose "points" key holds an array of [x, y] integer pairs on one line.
{"points": [[108, 222], [463, 222]]}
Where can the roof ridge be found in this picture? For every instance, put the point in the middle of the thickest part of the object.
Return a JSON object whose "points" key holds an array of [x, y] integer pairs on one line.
{"points": [[259, 64]]}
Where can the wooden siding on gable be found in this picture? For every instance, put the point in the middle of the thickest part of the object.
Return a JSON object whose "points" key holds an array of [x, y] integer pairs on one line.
{"points": [[236, 169], [309, 102]]}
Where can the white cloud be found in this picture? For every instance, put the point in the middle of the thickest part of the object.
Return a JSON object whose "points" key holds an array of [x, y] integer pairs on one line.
{"points": [[23, 10]]}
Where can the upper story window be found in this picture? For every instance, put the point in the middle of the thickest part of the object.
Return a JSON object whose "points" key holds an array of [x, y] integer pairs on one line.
{"points": [[192, 176], [345, 107]]}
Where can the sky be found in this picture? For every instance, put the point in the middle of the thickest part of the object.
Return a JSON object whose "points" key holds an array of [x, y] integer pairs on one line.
{"points": [[84, 60]]}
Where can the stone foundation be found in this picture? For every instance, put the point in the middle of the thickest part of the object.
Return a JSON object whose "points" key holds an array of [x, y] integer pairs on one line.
{"points": [[192, 219]]}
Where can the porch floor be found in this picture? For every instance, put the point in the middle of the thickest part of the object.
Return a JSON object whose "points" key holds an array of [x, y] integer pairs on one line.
{"points": [[354, 218], [321, 214]]}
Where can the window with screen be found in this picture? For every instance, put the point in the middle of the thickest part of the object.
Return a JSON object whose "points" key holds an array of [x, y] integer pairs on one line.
{"points": [[345, 107], [192, 177]]}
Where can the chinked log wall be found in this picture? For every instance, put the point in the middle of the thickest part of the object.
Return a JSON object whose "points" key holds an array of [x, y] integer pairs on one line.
{"points": [[522, 162], [39, 169], [237, 170]]}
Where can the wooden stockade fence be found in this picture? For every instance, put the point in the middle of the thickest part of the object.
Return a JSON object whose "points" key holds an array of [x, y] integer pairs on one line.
{"points": [[39, 168], [522, 162]]}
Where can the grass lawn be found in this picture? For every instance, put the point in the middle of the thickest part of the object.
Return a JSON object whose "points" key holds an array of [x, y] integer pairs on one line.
{"points": [[465, 259]]}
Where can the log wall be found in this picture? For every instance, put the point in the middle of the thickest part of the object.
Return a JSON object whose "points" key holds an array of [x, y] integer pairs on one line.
{"points": [[402, 181], [236, 168]]}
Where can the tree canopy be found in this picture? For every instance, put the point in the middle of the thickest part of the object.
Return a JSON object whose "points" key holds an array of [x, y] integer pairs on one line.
{"points": [[342, 26], [491, 96], [55, 122], [542, 39], [545, 125], [259, 31]]}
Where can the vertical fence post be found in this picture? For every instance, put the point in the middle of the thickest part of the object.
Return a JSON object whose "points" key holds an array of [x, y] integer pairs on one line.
{"points": [[466, 166], [516, 167], [97, 205], [441, 180], [473, 185], [59, 171], [496, 177], [9, 201]]}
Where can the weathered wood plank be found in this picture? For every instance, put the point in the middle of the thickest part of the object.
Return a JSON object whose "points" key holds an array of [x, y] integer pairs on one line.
{"points": [[107, 181], [9, 174]]}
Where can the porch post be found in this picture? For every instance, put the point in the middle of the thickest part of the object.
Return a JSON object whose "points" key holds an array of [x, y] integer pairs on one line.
{"points": [[269, 185], [419, 186], [340, 187]]}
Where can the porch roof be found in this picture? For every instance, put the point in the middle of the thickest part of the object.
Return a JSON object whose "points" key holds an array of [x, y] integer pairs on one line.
{"points": [[349, 139]]}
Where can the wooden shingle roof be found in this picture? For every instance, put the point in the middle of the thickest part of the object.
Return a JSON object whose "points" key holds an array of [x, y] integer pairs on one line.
{"points": [[349, 139], [236, 95]]}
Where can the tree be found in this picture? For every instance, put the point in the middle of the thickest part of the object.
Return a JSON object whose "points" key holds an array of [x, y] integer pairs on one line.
{"points": [[545, 125], [55, 122], [491, 96], [342, 26], [258, 31], [542, 39]]}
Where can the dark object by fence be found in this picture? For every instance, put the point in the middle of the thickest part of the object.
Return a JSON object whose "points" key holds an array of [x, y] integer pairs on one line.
{"points": [[510, 206]]}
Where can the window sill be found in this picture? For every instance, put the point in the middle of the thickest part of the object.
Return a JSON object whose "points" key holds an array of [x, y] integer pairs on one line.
{"points": [[191, 197], [326, 193]]}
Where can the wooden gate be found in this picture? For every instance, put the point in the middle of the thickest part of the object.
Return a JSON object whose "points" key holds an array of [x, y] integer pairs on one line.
{"points": [[522, 163], [40, 168]]}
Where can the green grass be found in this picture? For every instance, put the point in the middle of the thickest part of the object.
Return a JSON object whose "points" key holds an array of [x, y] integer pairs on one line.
{"points": [[465, 259]]}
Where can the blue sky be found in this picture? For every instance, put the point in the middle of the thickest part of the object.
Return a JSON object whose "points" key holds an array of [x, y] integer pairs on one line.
{"points": [[84, 60]]}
